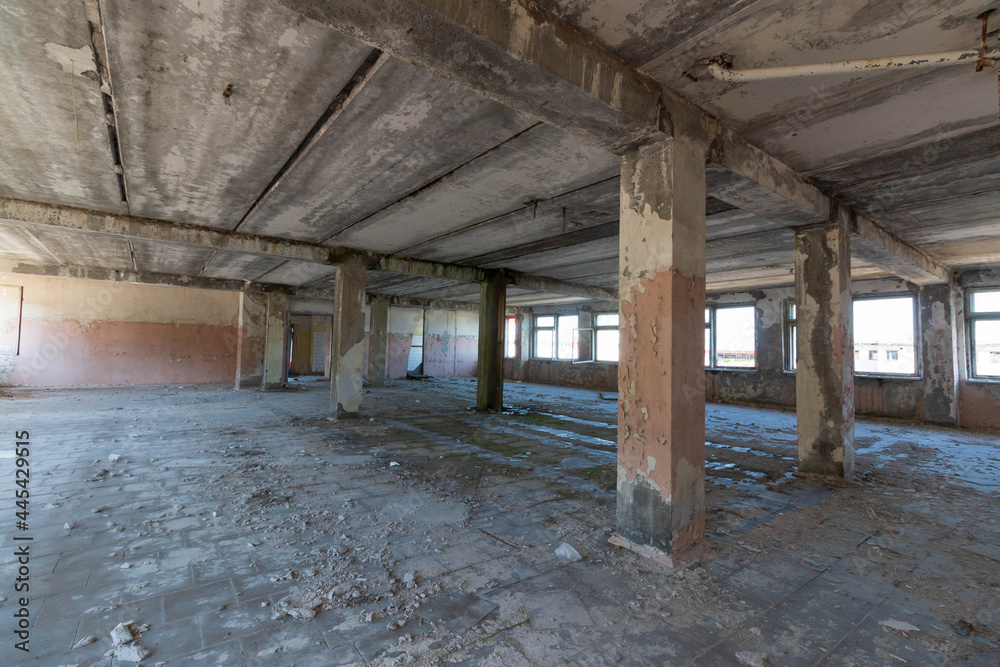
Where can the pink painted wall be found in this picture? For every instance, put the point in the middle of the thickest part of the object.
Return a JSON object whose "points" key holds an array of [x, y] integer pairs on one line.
{"points": [[451, 356], [979, 405], [89, 333]]}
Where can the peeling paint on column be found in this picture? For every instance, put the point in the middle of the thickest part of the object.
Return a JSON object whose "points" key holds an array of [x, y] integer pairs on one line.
{"points": [[661, 414], [825, 363], [348, 340]]}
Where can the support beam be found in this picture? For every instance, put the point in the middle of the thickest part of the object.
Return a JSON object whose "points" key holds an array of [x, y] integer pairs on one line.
{"points": [[275, 373], [543, 284], [748, 178], [415, 302], [492, 311], [143, 278], [661, 375], [348, 340], [824, 375], [31, 213], [379, 341], [878, 247], [512, 52]]}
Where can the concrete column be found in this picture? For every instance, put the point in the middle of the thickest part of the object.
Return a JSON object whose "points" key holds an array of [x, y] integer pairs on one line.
{"points": [[348, 340], [824, 377], [492, 313], [379, 341], [586, 340], [939, 346], [249, 341], [276, 342], [661, 375]]}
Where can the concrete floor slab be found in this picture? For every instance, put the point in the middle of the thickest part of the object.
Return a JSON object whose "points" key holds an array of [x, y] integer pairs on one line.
{"points": [[258, 506]]}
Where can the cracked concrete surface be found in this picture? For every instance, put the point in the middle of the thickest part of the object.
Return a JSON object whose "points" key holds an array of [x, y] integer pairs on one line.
{"points": [[231, 518]]}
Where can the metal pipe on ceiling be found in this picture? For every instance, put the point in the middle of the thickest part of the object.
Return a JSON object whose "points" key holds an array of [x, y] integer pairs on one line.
{"points": [[721, 67]]}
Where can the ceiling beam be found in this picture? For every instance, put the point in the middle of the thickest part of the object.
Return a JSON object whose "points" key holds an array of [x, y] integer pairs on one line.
{"points": [[131, 227], [542, 284], [747, 177], [145, 278], [434, 304], [877, 246], [514, 53]]}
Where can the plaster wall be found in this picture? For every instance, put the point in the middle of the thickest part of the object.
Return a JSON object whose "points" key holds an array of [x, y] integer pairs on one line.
{"points": [[91, 333], [451, 343]]}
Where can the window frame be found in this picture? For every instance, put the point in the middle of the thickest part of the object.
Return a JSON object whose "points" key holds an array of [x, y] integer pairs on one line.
{"points": [[534, 336], [713, 345], [970, 332], [555, 336], [917, 350], [789, 332], [605, 327]]}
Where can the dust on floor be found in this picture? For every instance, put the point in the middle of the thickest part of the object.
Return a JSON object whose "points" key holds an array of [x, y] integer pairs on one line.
{"points": [[245, 528]]}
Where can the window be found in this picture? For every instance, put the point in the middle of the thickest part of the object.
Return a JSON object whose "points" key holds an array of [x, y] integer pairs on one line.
{"points": [[556, 337], [510, 339], [791, 343], [545, 337], [567, 336], [606, 337], [983, 314], [730, 337], [885, 333]]}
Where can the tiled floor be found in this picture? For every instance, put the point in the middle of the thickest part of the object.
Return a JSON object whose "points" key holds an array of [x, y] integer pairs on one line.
{"points": [[425, 534]]}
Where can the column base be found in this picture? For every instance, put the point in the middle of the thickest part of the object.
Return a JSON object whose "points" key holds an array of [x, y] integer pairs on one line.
{"points": [[661, 557]]}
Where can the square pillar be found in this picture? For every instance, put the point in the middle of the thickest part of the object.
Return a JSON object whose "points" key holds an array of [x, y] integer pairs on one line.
{"points": [[250, 335], [939, 346], [824, 376], [661, 374], [492, 314], [347, 337], [275, 373], [379, 341]]}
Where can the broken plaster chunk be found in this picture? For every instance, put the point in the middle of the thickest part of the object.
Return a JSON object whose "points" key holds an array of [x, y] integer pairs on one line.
{"points": [[86, 641], [131, 653], [69, 525], [565, 551], [899, 626], [122, 634], [752, 658]]}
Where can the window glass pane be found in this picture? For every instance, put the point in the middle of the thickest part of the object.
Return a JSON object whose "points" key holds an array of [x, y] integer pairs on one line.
{"points": [[883, 336], [567, 336], [708, 347], [606, 320], [791, 310], [607, 344], [547, 321], [510, 338], [986, 333], [735, 338], [545, 343], [793, 349], [986, 302], [708, 316]]}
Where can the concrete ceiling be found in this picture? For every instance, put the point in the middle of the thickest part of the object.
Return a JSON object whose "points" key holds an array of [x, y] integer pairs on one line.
{"points": [[240, 115]]}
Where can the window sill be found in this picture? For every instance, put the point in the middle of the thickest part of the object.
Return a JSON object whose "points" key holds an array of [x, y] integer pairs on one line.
{"points": [[887, 376], [731, 370], [982, 380]]}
